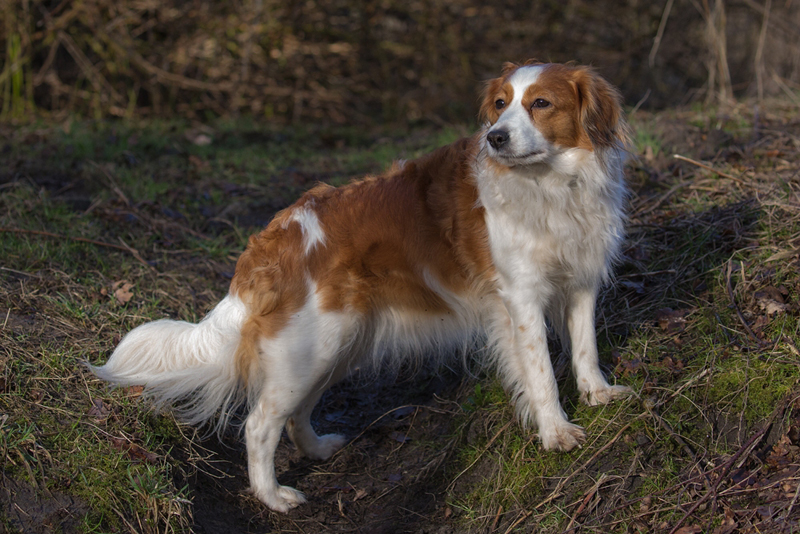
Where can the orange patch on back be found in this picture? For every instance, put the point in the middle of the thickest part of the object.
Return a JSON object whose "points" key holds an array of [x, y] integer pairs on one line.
{"points": [[383, 236]]}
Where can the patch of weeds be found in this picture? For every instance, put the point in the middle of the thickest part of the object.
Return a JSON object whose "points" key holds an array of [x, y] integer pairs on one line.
{"points": [[646, 139], [485, 394]]}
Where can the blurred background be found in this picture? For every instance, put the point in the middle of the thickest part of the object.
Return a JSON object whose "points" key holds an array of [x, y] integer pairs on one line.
{"points": [[375, 61]]}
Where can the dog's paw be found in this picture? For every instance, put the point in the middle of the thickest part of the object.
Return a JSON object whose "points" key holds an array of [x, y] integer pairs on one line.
{"points": [[563, 436], [605, 395], [281, 499], [325, 446]]}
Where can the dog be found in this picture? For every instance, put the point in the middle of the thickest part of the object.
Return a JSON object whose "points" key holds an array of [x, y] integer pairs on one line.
{"points": [[496, 235]]}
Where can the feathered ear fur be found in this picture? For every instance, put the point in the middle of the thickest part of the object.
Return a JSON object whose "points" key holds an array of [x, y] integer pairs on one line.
{"points": [[601, 109], [509, 67]]}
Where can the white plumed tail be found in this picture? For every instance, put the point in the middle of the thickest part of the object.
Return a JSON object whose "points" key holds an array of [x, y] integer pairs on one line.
{"points": [[189, 367]]}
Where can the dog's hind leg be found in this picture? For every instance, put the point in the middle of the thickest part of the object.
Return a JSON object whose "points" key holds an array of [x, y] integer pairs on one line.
{"points": [[291, 381], [262, 434], [332, 353], [296, 365], [302, 433]]}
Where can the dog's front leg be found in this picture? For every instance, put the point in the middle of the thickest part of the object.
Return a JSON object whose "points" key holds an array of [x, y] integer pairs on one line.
{"points": [[580, 320], [533, 381]]}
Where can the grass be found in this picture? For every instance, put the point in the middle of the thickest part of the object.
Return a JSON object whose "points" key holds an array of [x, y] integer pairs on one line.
{"points": [[116, 224]]}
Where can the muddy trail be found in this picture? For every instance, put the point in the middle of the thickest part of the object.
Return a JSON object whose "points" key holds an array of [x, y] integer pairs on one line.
{"points": [[390, 478]]}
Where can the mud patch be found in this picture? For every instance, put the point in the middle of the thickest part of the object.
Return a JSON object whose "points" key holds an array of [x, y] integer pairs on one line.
{"points": [[34, 511], [390, 478]]}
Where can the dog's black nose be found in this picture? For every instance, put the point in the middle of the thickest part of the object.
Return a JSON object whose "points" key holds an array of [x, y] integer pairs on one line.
{"points": [[498, 138]]}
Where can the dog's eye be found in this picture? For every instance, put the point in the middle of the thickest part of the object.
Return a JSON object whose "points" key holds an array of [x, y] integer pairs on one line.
{"points": [[540, 103], [500, 103]]}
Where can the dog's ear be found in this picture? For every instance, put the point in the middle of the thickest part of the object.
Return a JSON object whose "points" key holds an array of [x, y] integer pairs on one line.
{"points": [[509, 67], [600, 109]]}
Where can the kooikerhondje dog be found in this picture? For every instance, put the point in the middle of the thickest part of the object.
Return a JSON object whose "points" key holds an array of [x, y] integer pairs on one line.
{"points": [[493, 234]]}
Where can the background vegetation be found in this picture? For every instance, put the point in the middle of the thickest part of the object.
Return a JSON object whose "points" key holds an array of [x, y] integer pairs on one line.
{"points": [[376, 60]]}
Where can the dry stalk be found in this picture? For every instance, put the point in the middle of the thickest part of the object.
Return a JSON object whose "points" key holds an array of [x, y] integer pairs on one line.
{"points": [[759, 59], [563, 482], [589, 496], [751, 443], [522, 518], [736, 307], [660, 33], [709, 168], [719, 76]]}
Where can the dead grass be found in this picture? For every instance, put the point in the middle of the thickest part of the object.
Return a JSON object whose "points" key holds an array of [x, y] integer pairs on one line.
{"points": [[105, 226]]}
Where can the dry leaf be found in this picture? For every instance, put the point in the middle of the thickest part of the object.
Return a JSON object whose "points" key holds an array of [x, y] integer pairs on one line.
{"points": [[694, 529], [770, 300], [672, 321], [135, 452], [99, 410], [629, 367], [122, 291], [133, 391]]}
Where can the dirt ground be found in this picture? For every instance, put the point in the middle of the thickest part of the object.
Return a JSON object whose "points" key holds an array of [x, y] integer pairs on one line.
{"points": [[389, 479]]}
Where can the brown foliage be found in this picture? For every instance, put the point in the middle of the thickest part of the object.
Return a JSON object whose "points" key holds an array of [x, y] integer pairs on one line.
{"points": [[357, 62]]}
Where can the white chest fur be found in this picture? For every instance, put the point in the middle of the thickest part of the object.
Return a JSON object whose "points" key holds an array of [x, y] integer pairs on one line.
{"points": [[555, 225]]}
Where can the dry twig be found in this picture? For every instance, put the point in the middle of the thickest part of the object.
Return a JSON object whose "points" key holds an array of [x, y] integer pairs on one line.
{"points": [[708, 168], [736, 308]]}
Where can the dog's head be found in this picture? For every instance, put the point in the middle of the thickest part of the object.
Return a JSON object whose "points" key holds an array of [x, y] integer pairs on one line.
{"points": [[537, 110]]}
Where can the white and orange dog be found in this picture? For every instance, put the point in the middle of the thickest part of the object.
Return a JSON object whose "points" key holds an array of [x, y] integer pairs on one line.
{"points": [[494, 234]]}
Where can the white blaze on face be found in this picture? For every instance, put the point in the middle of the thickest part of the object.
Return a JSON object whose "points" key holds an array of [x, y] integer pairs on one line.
{"points": [[525, 144]]}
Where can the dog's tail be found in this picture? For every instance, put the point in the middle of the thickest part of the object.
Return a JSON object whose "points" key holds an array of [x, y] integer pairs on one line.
{"points": [[190, 367]]}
